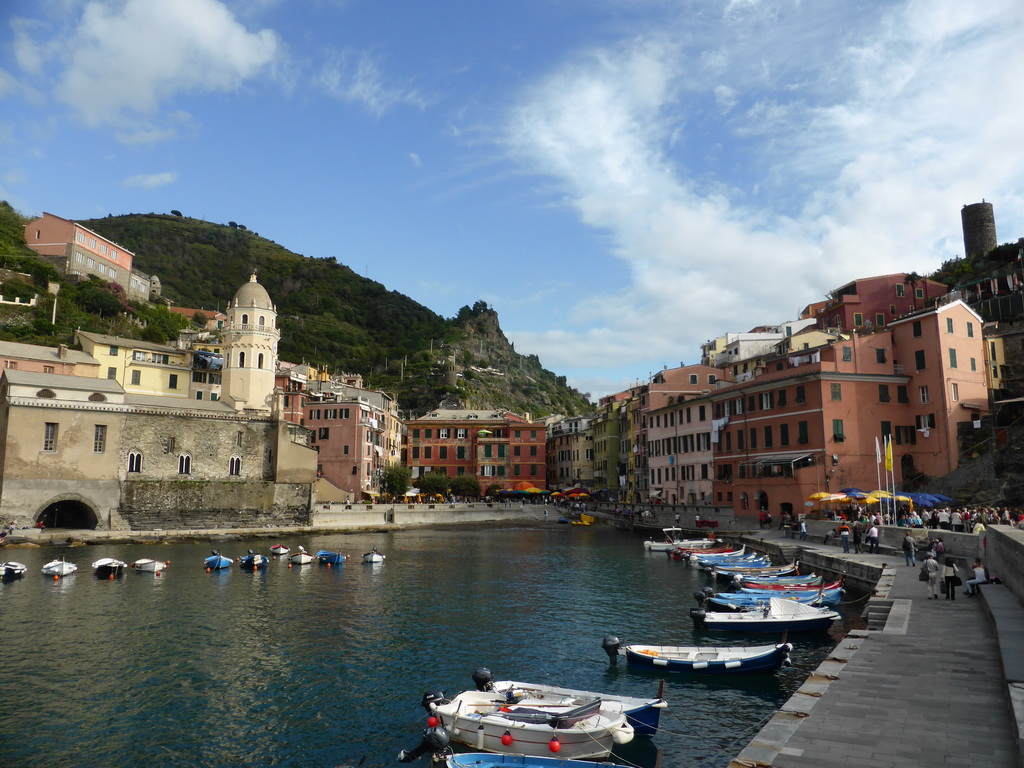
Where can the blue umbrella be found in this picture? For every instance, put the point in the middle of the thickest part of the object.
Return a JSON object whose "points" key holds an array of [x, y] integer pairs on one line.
{"points": [[940, 497], [854, 493]]}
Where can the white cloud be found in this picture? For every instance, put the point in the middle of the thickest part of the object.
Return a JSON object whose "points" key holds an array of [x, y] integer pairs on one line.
{"points": [[151, 180], [416, 160], [130, 57], [356, 77], [857, 162]]}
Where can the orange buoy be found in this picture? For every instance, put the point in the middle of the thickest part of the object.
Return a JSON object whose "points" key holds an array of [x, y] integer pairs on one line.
{"points": [[55, 577]]}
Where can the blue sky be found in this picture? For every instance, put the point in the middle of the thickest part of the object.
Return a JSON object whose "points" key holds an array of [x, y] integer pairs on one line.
{"points": [[621, 181]]}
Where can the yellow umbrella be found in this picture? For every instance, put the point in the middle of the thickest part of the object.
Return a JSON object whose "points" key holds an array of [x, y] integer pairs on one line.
{"points": [[819, 496]]}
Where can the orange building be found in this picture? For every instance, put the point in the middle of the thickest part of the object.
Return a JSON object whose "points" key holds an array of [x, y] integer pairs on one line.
{"points": [[812, 420], [497, 447]]}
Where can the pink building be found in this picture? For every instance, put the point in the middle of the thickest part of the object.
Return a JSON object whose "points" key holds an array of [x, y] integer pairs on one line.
{"points": [[77, 250], [59, 360], [874, 302], [678, 430]]}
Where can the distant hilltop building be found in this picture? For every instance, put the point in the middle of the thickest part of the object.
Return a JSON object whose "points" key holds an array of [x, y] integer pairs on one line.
{"points": [[979, 225], [78, 251]]}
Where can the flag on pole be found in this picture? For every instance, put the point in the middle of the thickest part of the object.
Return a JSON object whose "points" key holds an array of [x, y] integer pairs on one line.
{"points": [[888, 454], [878, 452]]}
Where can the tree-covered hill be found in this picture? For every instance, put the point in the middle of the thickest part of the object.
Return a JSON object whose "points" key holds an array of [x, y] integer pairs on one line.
{"points": [[333, 317]]}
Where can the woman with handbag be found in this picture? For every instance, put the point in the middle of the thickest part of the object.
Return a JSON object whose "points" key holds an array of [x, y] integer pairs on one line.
{"points": [[952, 579]]}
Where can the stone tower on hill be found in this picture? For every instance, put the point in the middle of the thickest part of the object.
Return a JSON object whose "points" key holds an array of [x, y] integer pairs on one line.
{"points": [[979, 225]]}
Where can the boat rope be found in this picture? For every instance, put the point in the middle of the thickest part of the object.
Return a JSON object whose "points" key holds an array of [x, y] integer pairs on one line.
{"points": [[727, 750]]}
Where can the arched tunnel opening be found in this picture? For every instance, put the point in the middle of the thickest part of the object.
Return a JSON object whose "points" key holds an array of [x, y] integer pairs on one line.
{"points": [[68, 514]]}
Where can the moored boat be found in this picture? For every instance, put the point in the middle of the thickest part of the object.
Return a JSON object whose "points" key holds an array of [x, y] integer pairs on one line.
{"points": [[737, 601], [701, 659], [217, 562], [326, 557], [301, 557], [252, 561], [575, 728], [373, 556], [12, 570], [776, 615], [146, 565], [279, 550], [643, 715], [59, 568], [108, 567], [484, 760]]}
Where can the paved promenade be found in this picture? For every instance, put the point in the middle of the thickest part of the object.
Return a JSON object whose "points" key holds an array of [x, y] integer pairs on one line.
{"points": [[926, 691]]}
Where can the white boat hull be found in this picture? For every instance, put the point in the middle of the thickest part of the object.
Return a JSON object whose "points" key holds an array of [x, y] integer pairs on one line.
{"points": [[148, 566], [477, 719], [59, 568]]}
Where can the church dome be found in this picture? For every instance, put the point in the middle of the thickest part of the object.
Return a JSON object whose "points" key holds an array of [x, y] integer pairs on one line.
{"points": [[252, 294]]}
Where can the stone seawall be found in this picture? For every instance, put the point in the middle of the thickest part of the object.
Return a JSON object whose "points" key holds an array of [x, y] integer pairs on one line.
{"points": [[351, 517]]}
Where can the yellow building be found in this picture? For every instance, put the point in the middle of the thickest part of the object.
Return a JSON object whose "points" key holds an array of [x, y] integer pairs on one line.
{"points": [[140, 367]]}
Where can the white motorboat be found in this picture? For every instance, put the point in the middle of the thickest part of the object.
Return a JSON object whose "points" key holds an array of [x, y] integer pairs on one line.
{"points": [[108, 567], [373, 556], [145, 565], [11, 570], [674, 541], [775, 615], [642, 714], [59, 568], [574, 727], [301, 557]]}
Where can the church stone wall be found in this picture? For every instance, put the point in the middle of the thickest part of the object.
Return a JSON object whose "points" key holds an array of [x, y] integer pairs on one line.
{"points": [[211, 442], [179, 504]]}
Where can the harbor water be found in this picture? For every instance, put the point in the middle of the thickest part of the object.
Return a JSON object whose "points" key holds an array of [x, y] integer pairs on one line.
{"points": [[316, 666]]}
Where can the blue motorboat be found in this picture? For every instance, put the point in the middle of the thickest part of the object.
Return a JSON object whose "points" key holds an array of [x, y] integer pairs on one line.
{"points": [[733, 601], [217, 562], [701, 659], [253, 561], [326, 557]]}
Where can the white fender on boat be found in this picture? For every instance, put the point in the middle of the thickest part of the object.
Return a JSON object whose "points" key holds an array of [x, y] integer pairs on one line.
{"points": [[623, 734]]}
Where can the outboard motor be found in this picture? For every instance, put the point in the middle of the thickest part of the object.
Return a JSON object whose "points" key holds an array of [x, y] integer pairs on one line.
{"points": [[611, 645], [701, 597], [698, 615], [483, 679], [787, 662], [432, 699], [435, 740]]}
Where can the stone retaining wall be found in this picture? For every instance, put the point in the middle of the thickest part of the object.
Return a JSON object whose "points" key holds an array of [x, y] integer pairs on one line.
{"points": [[340, 516]]}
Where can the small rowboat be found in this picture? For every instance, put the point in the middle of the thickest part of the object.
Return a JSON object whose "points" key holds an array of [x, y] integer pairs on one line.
{"points": [[217, 562], [484, 760], [753, 587], [373, 556], [575, 727], [777, 615], [702, 659], [108, 568], [644, 715], [59, 568], [11, 570], [145, 565], [252, 561], [301, 557], [738, 601], [326, 557], [278, 550]]}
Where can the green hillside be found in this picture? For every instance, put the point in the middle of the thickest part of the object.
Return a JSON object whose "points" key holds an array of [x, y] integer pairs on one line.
{"points": [[333, 317]]}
